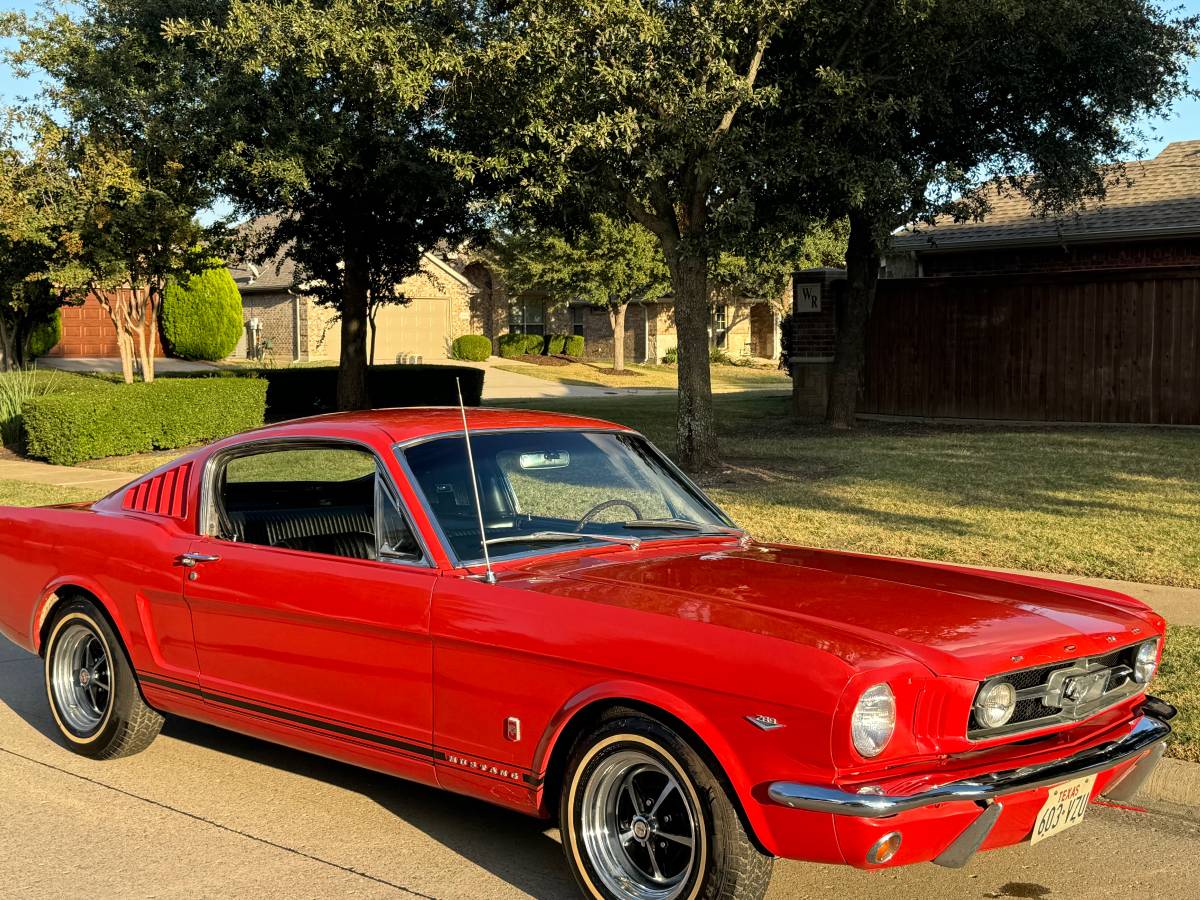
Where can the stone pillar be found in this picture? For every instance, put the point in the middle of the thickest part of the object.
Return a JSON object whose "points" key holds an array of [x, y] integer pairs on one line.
{"points": [[811, 338]]}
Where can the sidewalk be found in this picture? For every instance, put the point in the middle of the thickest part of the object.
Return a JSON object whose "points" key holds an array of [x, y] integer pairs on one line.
{"points": [[63, 476], [499, 384]]}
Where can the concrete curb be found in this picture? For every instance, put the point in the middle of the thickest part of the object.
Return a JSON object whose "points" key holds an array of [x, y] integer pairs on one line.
{"points": [[1175, 785]]}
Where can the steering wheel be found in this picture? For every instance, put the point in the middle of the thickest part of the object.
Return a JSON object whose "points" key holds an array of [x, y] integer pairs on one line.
{"points": [[601, 507]]}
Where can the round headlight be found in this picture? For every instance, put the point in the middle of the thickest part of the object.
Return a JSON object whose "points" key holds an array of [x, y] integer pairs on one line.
{"points": [[995, 704], [1147, 662], [874, 720]]}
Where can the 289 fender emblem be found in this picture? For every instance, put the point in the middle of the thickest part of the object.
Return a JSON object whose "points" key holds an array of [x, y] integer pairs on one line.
{"points": [[766, 723]]}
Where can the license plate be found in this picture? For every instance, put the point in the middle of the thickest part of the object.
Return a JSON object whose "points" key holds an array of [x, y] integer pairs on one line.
{"points": [[1064, 808]]}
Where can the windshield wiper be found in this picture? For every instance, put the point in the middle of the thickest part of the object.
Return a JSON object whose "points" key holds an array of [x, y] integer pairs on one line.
{"points": [[682, 525], [563, 536]]}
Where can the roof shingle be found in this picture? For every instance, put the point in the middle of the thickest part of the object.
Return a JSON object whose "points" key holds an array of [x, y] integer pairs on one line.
{"points": [[1162, 197]]}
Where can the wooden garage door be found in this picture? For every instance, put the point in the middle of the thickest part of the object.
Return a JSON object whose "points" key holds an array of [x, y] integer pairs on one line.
{"points": [[419, 328], [88, 331]]}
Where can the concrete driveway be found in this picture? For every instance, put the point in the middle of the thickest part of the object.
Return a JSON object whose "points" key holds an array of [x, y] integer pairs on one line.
{"points": [[206, 813]]}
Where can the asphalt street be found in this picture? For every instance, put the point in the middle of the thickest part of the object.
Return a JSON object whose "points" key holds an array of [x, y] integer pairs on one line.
{"points": [[206, 813]]}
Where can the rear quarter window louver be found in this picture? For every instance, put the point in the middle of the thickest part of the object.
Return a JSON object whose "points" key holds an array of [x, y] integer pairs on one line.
{"points": [[165, 494]]}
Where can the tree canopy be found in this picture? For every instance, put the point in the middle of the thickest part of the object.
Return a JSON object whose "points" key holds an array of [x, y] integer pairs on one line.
{"points": [[608, 263]]}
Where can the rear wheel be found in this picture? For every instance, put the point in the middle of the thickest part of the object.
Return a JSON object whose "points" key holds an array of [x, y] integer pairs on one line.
{"points": [[645, 818], [94, 698]]}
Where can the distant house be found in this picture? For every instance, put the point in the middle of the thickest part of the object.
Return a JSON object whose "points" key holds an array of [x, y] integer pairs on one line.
{"points": [[1093, 317], [284, 321], [1153, 220]]}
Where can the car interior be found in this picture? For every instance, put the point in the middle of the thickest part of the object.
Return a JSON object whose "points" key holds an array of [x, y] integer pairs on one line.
{"points": [[329, 515]]}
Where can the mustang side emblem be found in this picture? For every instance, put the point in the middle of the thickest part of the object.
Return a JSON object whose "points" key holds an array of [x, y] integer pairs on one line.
{"points": [[766, 723], [486, 768]]}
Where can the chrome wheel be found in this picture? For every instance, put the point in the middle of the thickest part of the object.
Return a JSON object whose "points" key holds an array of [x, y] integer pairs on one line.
{"points": [[639, 827], [81, 678]]}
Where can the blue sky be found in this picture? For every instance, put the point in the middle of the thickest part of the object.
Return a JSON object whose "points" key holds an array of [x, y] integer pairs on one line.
{"points": [[1182, 124]]}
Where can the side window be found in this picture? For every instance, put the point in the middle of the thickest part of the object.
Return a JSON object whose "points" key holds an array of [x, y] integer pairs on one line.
{"points": [[329, 500]]}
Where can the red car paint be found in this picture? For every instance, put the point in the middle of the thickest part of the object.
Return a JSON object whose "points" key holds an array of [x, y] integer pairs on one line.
{"points": [[415, 672]]}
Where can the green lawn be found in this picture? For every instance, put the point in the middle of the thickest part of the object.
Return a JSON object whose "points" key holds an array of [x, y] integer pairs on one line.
{"points": [[600, 374], [25, 493], [1179, 683]]}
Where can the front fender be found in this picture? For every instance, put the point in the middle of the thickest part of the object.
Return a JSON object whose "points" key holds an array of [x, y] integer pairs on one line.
{"points": [[674, 704]]}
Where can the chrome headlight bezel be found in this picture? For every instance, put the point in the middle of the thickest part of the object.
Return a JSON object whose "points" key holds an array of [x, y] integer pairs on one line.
{"points": [[995, 704], [1145, 664], [874, 720]]}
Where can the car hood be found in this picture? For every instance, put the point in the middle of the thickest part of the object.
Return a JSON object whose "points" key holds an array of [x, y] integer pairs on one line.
{"points": [[955, 621]]}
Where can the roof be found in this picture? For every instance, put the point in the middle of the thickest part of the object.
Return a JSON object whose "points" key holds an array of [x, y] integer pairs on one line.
{"points": [[1161, 199], [279, 273], [413, 423]]}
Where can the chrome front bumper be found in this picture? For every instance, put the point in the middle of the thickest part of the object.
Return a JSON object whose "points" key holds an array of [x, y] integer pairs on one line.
{"points": [[1149, 730]]}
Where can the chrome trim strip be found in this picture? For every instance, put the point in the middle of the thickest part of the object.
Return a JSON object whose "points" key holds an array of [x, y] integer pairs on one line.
{"points": [[399, 448], [1146, 733]]}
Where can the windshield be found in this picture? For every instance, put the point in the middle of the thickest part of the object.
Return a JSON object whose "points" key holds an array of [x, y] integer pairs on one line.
{"points": [[541, 488]]}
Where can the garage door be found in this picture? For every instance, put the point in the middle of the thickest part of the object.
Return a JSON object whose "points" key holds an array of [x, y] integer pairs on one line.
{"points": [[419, 328], [88, 331]]}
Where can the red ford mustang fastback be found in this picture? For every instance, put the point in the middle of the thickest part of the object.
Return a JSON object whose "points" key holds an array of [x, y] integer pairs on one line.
{"points": [[576, 631]]}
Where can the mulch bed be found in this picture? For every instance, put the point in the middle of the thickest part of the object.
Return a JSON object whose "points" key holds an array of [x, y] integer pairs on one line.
{"points": [[547, 360]]}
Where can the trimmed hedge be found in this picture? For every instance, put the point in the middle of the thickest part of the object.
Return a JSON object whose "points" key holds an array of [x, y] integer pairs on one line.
{"points": [[203, 318], [473, 347], [512, 345], [294, 393], [119, 419], [574, 346], [44, 336], [565, 345]]}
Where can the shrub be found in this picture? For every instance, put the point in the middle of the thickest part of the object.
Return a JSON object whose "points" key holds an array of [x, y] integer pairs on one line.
{"points": [[574, 346], [44, 336], [203, 318], [556, 344], [297, 392], [473, 347], [70, 427], [718, 356], [15, 388], [513, 345], [671, 357]]}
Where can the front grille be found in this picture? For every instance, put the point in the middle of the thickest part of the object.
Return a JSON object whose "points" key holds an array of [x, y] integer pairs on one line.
{"points": [[1044, 693]]}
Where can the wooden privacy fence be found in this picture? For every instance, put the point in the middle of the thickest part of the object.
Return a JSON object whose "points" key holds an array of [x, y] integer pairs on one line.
{"points": [[1119, 346]]}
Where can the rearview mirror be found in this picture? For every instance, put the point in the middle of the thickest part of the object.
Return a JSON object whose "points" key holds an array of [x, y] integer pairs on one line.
{"points": [[549, 459]]}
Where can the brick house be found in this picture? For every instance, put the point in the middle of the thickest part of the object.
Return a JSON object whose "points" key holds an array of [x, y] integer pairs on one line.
{"points": [[284, 321], [741, 328], [1093, 317]]}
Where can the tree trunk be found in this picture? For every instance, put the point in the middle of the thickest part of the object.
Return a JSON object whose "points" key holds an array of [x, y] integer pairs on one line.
{"points": [[118, 311], [616, 318], [6, 347], [352, 368], [862, 273], [695, 435], [150, 329]]}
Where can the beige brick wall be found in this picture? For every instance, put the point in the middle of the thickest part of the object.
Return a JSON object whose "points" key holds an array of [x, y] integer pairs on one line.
{"points": [[438, 311], [277, 313]]}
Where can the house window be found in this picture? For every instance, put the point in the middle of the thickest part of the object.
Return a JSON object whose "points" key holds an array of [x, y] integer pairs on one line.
{"points": [[578, 311], [528, 317], [720, 325]]}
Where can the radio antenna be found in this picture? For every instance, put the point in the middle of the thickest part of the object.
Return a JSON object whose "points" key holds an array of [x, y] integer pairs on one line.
{"points": [[490, 577]]}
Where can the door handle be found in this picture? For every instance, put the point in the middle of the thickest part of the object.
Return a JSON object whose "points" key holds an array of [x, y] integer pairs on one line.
{"points": [[191, 560]]}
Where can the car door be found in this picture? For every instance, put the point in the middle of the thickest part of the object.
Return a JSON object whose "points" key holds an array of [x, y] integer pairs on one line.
{"points": [[293, 619]]}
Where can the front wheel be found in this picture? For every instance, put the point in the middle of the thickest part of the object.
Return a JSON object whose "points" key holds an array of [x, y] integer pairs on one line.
{"points": [[94, 697], [644, 817]]}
